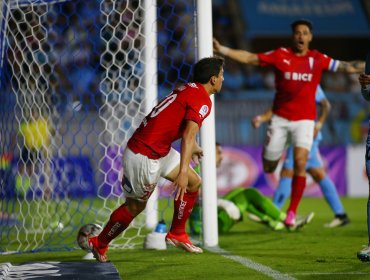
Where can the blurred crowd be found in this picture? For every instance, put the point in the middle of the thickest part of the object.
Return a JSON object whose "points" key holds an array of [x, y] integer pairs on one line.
{"points": [[91, 53]]}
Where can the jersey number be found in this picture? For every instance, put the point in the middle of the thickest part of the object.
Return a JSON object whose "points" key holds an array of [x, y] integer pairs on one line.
{"points": [[163, 105]]}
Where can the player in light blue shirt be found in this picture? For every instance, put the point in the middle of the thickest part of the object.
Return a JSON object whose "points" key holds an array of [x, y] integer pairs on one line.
{"points": [[364, 254], [314, 167]]}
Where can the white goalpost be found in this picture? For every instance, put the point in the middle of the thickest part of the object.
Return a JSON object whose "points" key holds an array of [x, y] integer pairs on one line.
{"points": [[151, 88], [208, 138], [77, 77]]}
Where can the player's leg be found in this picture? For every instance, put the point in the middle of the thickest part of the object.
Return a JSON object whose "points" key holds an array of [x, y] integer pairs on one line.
{"points": [[298, 184], [262, 204], [138, 183], [182, 208], [119, 220], [195, 218], [252, 201], [225, 222], [364, 254], [316, 170], [284, 189], [238, 199], [331, 196], [276, 139], [263, 208], [302, 138]]}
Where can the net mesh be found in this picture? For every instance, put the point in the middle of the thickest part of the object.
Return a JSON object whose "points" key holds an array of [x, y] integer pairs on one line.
{"points": [[73, 92]]}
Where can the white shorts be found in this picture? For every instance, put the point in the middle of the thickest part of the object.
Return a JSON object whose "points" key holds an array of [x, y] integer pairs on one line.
{"points": [[281, 132], [141, 174]]}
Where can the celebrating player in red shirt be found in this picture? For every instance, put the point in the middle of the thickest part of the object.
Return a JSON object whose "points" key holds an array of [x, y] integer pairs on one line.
{"points": [[298, 72], [149, 156]]}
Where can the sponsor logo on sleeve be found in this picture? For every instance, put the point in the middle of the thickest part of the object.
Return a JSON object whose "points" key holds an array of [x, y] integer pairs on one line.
{"points": [[203, 111]]}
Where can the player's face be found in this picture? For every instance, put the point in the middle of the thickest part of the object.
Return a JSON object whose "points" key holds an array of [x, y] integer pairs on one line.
{"points": [[219, 80], [218, 155], [302, 37]]}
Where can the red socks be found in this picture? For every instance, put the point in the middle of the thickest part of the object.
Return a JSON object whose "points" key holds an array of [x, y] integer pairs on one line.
{"points": [[298, 186], [118, 222], [182, 211], [121, 218]]}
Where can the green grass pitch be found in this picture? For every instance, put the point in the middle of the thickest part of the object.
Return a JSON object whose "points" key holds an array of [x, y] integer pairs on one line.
{"points": [[314, 252]]}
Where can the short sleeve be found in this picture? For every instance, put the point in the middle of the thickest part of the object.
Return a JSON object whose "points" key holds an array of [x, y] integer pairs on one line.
{"points": [[198, 107], [267, 58]]}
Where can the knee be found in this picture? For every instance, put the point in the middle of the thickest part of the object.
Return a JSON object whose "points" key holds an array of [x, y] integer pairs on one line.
{"points": [[135, 207], [318, 174], [268, 169], [269, 166], [300, 164], [195, 184]]}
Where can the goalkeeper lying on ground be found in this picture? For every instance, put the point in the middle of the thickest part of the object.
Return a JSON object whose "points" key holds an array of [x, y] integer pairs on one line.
{"points": [[239, 201]]}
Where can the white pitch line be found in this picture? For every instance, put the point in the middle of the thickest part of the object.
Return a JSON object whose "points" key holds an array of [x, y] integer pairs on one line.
{"points": [[332, 273], [268, 271]]}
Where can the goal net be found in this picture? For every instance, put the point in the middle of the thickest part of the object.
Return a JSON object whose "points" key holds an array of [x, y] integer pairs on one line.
{"points": [[77, 77]]}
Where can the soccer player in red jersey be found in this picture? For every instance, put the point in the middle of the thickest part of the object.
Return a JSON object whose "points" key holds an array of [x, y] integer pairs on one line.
{"points": [[149, 156], [298, 71]]}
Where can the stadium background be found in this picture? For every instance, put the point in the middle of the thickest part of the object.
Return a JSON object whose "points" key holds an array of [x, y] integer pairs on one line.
{"points": [[341, 29], [250, 250]]}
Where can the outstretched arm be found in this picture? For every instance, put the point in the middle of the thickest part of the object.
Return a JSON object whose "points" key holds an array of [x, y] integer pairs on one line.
{"points": [[237, 55], [188, 148], [351, 67], [260, 119]]}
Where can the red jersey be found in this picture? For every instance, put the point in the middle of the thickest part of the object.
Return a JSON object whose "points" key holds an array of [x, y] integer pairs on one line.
{"points": [[296, 81], [166, 122]]}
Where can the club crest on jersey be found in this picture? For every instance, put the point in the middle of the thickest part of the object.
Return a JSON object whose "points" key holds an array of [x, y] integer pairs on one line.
{"points": [[203, 111]]}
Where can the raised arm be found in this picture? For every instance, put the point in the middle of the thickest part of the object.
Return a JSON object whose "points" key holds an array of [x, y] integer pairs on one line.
{"points": [[351, 67], [237, 55]]}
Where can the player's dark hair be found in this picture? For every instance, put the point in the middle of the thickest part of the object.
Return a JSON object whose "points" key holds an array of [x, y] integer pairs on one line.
{"points": [[306, 22], [206, 68]]}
